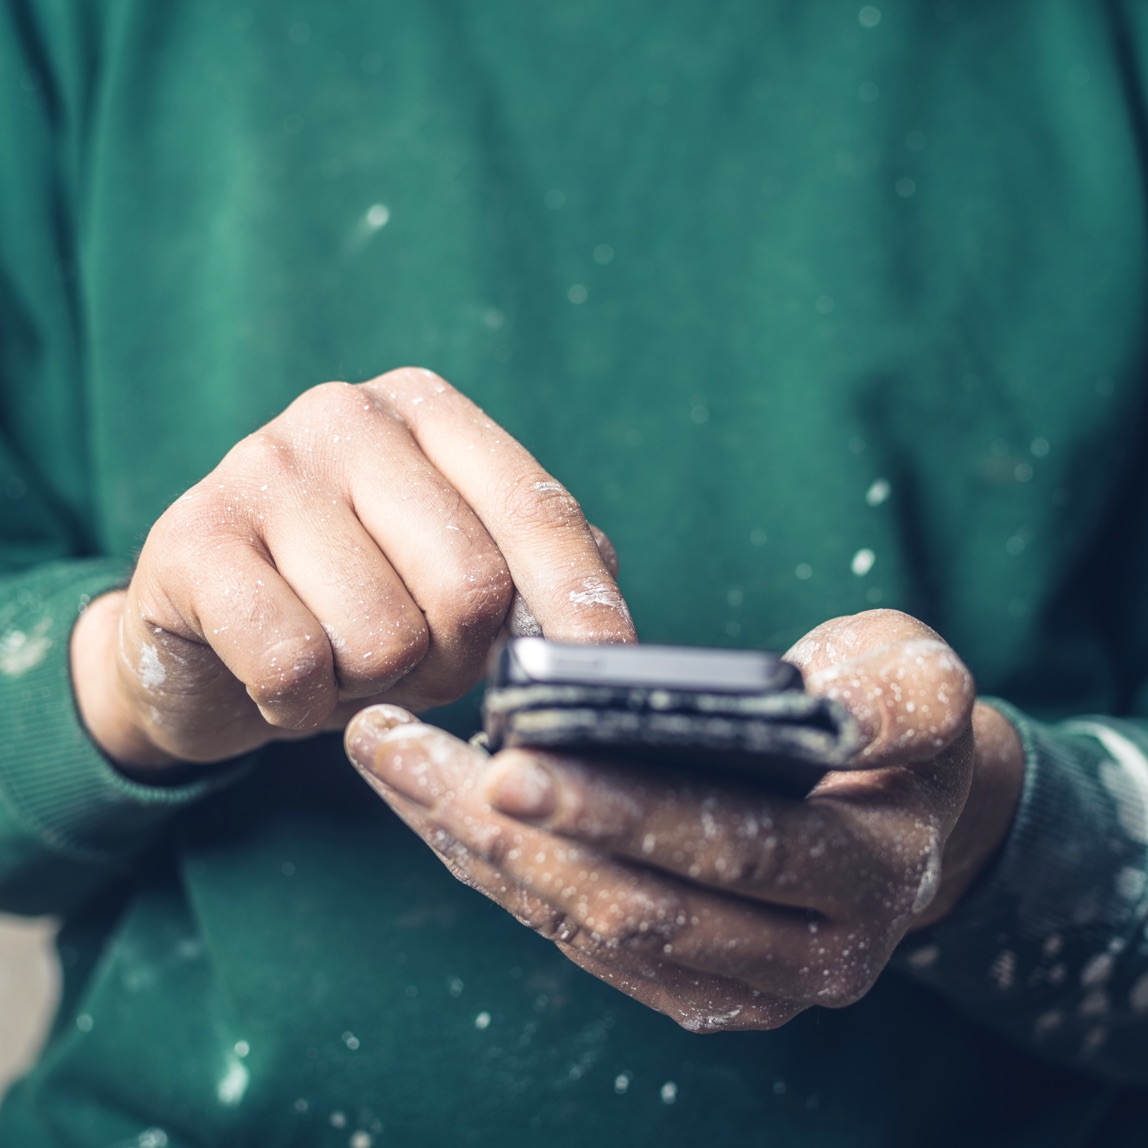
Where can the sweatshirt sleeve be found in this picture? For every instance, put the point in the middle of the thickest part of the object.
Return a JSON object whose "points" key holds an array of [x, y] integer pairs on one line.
{"points": [[1050, 950], [69, 822]]}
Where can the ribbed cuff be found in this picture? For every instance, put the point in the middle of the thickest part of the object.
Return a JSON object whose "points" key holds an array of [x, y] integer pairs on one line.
{"points": [[1043, 948], [1045, 879], [55, 784]]}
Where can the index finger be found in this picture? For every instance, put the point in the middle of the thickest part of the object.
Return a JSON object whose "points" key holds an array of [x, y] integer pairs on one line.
{"points": [[536, 523]]}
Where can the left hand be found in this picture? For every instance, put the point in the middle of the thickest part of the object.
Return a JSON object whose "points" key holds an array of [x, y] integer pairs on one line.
{"points": [[715, 902]]}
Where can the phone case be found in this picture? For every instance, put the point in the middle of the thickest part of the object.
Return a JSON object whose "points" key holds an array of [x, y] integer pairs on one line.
{"points": [[786, 740]]}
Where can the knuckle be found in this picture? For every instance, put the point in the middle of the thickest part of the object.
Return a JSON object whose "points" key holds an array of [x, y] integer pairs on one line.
{"points": [[401, 386], [536, 500], [397, 653], [326, 401], [293, 676], [252, 475], [310, 437], [632, 919], [749, 865], [474, 593], [192, 521], [366, 668]]}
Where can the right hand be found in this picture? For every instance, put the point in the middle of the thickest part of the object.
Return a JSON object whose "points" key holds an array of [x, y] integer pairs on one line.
{"points": [[364, 546]]}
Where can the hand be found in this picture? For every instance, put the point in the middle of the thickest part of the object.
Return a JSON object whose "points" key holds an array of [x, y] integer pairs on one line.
{"points": [[364, 545], [717, 903]]}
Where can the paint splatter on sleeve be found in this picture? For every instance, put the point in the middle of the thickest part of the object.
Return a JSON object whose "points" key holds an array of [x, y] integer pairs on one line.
{"points": [[1051, 949], [69, 822]]}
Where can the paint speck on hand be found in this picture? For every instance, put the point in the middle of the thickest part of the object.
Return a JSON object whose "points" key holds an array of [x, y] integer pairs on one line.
{"points": [[151, 672]]}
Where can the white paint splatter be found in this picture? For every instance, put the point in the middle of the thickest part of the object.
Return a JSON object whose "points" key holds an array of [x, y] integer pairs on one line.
{"points": [[151, 672], [931, 876], [595, 593], [1097, 971], [1131, 882], [232, 1086], [668, 1092], [1003, 970], [1138, 994], [338, 642], [878, 492], [482, 1021], [1126, 777], [21, 651], [862, 562], [923, 958]]}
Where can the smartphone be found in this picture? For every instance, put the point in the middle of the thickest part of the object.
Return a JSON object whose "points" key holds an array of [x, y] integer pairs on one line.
{"points": [[740, 712]]}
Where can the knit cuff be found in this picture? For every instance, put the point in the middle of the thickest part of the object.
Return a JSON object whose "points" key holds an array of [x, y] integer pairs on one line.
{"points": [[1043, 948], [55, 785]]}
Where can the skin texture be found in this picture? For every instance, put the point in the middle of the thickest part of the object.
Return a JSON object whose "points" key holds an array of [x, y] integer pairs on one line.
{"points": [[720, 905], [364, 546], [369, 544]]}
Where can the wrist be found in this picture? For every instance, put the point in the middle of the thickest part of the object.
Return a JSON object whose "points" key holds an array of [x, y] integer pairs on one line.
{"points": [[984, 823], [100, 697]]}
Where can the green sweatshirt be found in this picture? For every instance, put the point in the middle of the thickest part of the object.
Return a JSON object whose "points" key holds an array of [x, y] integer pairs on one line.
{"points": [[815, 307]]}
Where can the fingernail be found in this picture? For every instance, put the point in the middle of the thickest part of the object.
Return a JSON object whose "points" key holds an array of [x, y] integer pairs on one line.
{"points": [[368, 728], [525, 789], [407, 760]]}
